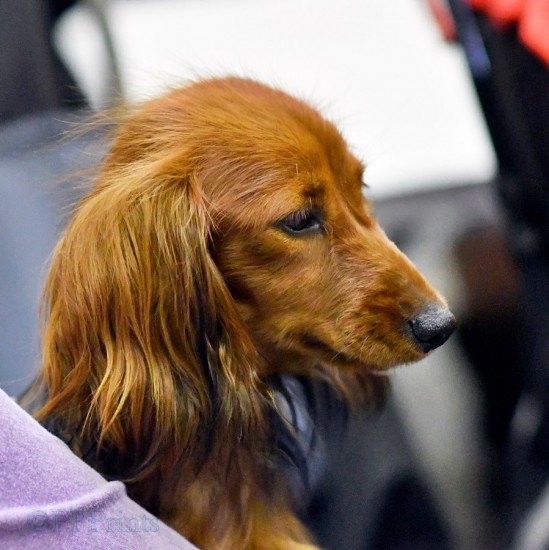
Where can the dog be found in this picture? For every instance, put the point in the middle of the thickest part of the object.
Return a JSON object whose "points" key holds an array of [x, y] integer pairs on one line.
{"points": [[226, 241]]}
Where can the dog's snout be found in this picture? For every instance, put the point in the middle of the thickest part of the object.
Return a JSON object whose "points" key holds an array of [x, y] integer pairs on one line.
{"points": [[432, 327]]}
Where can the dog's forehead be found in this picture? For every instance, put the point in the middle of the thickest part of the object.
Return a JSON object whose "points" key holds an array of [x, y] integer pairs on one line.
{"points": [[269, 196], [317, 172], [269, 149], [305, 152]]}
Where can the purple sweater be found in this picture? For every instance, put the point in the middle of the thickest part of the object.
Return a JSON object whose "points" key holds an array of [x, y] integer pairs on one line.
{"points": [[50, 499]]}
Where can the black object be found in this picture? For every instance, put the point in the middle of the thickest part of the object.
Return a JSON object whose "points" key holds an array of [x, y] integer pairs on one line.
{"points": [[513, 89], [33, 78]]}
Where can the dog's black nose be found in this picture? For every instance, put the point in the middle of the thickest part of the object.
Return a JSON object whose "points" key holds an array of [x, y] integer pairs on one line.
{"points": [[432, 327]]}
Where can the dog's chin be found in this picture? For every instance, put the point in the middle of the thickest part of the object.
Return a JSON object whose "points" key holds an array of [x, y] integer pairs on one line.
{"points": [[382, 365]]}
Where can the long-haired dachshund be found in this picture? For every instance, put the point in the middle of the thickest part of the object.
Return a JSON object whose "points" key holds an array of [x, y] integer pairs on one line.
{"points": [[225, 241]]}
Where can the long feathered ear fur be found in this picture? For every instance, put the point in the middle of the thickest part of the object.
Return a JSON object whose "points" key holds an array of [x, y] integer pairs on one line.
{"points": [[144, 354]]}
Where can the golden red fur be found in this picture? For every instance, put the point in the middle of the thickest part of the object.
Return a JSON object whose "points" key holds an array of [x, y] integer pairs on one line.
{"points": [[226, 239]]}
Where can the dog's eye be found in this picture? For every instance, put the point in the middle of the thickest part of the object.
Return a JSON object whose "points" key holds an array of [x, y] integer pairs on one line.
{"points": [[301, 223]]}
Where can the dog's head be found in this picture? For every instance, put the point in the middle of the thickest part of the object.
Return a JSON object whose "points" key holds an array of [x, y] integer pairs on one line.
{"points": [[314, 276], [227, 237]]}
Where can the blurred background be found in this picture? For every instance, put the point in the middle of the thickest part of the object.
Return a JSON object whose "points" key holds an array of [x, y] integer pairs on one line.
{"points": [[449, 109]]}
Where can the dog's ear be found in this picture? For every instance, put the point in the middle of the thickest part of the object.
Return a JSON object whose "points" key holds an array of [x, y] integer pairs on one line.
{"points": [[143, 348]]}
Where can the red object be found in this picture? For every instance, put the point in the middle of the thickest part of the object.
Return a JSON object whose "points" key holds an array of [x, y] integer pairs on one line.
{"points": [[530, 16], [443, 18], [502, 12], [534, 27]]}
